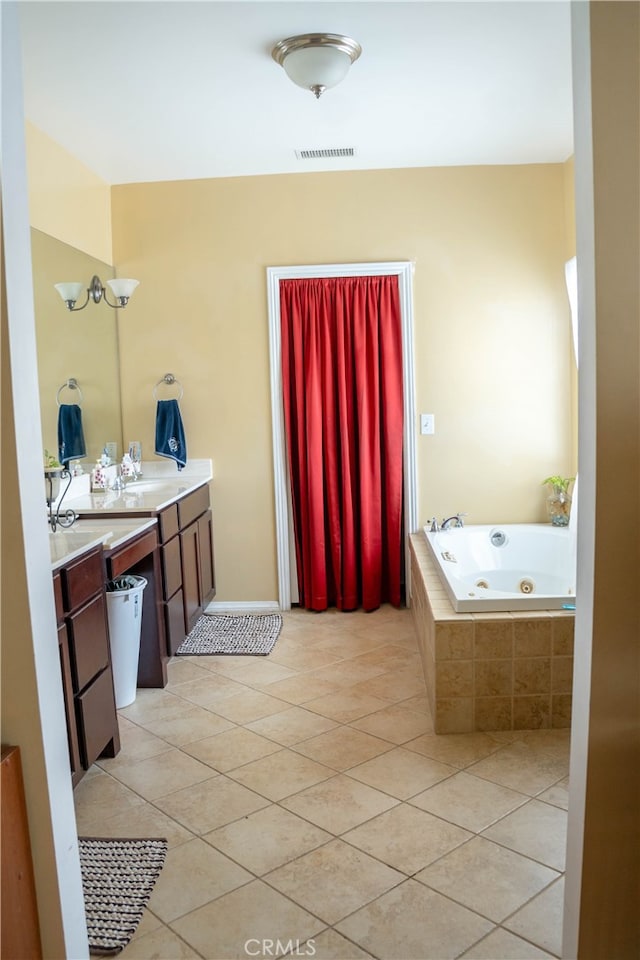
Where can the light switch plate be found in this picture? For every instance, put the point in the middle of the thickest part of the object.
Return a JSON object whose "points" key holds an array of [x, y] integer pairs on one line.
{"points": [[427, 423]]}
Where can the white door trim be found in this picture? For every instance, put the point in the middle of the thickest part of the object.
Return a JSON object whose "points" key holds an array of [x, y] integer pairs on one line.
{"points": [[403, 269]]}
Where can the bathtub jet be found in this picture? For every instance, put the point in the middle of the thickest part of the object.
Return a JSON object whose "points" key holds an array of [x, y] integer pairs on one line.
{"points": [[508, 567]]}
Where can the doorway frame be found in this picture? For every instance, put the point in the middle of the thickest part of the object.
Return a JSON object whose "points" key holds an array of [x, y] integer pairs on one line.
{"points": [[403, 270]]}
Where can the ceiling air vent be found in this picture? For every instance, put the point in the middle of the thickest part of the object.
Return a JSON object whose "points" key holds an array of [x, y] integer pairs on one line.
{"points": [[325, 154]]}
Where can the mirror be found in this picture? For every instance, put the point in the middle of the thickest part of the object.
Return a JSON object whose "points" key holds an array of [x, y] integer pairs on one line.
{"points": [[81, 345]]}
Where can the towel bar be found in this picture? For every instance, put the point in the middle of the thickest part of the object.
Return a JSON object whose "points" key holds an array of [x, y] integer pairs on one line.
{"points": [[170, 380], [71, 384]]}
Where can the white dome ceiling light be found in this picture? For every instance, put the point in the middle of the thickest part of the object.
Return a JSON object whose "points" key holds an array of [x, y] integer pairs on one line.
{"points": [[316, 61]]}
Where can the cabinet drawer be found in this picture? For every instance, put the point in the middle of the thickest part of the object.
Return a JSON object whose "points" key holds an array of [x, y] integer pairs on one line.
{"points": [[192, 506], [171, 567], [82, 579], [168, 523], [96, 710], [89, 641], [122, 559]]}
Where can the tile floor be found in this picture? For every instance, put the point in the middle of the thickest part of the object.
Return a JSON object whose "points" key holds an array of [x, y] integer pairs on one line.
{"points": [[310, 809]]}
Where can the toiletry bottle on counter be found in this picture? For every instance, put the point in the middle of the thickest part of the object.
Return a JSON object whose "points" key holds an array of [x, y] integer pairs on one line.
{"points": [[98, 477]]}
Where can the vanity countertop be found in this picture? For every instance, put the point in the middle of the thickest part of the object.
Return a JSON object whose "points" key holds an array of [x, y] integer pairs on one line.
{"points": [[68, 543], [154, 490]]}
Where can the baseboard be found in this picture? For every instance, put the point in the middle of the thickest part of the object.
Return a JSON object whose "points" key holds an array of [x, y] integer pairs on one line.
{"points": [[243, 606]]}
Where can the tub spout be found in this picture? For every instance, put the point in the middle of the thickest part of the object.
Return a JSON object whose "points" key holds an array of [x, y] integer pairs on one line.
{"points": [[456, 520]]}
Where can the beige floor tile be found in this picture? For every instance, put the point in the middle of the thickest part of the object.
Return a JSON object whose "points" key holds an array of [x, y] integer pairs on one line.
{"points": [[144, 820], [334, 880], [151, 705], [345, 673], [348, 647], [292, 725], [420, 705], [161, 944], [487, 878], [414, 923], [395, 724], [395, 685], [401, 773], [211, 804], [156, 776], [541, 920], [182, 670], [281, 774], [502, 945], [468, 801], [102, 795], [267, 839], [407, 838], [231, 749], [554, 743], [208, 692], [258, 671], [537, 830], [298, 657], [342, 747], [391, 657], [519, 767], [558, 794], [249, 705], [148, 923], [136, 743], [195, 723], [236, 924], [193, 874], [331, 945], [301, 689], [339, 804], [458, 749], [346, 705]]}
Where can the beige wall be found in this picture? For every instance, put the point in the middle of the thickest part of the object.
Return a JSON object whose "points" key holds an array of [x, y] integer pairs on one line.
{"points": [[492, 334], [66, 199], [83, 345]]}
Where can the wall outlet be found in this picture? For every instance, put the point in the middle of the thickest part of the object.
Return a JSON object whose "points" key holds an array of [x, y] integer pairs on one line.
{"points": [[427, 423]]}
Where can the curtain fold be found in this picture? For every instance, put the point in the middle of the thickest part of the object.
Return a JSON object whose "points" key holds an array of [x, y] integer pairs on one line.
{"points": [[343, 405]]}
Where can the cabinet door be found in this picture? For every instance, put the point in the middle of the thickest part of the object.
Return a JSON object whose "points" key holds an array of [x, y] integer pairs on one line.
{"points": [[174, 622], [89, 641], [67, 690], [96, 709], [190, 575], [171, 571], [205, 555]]}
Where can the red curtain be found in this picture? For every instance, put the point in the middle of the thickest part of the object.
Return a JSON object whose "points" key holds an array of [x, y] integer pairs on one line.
{"points": [[342, 383]]}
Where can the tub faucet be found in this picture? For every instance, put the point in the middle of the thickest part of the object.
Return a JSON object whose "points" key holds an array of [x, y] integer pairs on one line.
{"points": [[434, 525], [456, 520]]}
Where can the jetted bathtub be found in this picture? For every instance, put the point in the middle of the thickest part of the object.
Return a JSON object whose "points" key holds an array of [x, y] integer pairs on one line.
{"points": [[522, 566]]}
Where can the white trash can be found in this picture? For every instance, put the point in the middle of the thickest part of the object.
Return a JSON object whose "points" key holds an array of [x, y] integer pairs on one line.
{"points": [[124, 612]]}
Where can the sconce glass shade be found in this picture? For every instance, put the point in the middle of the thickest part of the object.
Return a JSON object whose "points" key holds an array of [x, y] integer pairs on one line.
{"points": [[316, 61], [122, 288], [69, 291]]}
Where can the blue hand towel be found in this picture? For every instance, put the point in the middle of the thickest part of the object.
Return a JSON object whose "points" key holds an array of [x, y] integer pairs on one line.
{"points": [[170, 440], [71, 445]]}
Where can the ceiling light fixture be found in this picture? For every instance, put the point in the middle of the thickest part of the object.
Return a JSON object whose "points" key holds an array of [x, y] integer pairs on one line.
{"points": [[120, 288], [316, 61]]}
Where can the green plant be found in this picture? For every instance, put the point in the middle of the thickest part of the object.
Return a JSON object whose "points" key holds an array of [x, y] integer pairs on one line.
{"points": [[560, 484], [50, 462]]}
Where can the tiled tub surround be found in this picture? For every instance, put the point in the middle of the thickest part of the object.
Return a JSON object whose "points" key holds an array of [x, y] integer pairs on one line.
{"points": [[489, 671]]}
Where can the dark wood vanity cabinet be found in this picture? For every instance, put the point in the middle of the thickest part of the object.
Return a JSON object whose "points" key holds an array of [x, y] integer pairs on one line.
{"points": [[188, 578], [85, 661]]}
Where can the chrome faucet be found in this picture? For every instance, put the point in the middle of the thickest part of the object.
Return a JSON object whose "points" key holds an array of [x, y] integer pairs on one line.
{"points": [[457, 519], [119, 481], [434, 525]]}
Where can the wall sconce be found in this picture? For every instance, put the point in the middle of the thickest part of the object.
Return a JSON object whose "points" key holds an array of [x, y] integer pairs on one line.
{"points": [[316, 61], [121, 289]]}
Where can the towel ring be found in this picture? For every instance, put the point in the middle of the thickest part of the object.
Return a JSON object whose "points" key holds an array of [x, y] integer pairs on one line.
{"points": [[71, 384], [170, 380]]}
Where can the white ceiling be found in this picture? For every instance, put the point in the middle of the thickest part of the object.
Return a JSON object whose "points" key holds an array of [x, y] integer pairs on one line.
{"points": [[158, 90]]}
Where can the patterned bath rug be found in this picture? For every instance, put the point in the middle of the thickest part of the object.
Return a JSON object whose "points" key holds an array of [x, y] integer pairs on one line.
{"points": [[117, 879], [232, 635]]}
